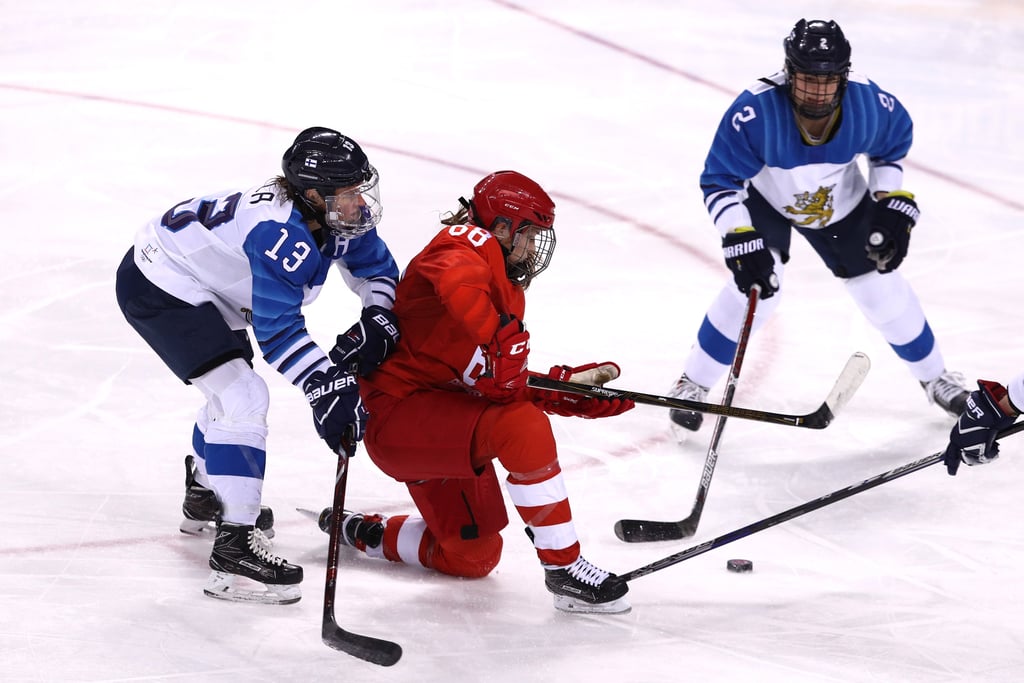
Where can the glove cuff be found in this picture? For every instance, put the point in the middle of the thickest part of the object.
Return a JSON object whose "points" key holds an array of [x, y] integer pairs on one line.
{"points": [[900, 193], [994, 393]]}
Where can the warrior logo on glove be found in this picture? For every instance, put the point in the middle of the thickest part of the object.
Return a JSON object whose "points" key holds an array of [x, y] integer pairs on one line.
{"points": [[896, 214]]}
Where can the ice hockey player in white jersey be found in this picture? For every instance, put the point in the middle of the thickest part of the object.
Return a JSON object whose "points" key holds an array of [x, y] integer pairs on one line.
{"points": [[208, 268], [784, 158]]}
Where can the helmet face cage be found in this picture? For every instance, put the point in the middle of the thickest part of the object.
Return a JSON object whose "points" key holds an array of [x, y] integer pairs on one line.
{"points": [[819, 51], [324, 160], [530, 255], [355, 210], [512, 200]]}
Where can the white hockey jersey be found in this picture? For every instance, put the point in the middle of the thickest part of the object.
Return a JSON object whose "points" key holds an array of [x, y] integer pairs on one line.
{"points": [[250, 253]]}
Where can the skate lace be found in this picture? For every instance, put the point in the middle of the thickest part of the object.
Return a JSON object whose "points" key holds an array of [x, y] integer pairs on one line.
{"points": [[259, 544], [583, 571], [688, 390], [946, 386]]}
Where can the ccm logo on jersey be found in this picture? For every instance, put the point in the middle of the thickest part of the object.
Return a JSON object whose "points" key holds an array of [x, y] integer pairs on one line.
{"points": [[743, 248], [331, 387]]}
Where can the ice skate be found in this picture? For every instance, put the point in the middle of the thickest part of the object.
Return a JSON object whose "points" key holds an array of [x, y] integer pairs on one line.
{"points": [[582, 587], [689, 420], [357, 530], [948, 392], [244, 569], [201, 509]]}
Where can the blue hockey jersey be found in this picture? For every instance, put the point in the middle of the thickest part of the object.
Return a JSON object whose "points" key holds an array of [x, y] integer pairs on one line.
{"points": [[759, 142]]}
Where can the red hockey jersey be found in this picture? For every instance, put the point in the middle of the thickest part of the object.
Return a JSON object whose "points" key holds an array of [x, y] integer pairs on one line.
{"points": [[448, 305]]}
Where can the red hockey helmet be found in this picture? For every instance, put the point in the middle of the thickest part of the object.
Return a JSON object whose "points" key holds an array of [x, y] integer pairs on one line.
{"points": [[511, 199], [514, 197]]}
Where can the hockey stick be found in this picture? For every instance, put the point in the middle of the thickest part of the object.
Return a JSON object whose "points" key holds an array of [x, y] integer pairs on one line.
{"points": [[849, 380], [797, 511], [641, 531], [373, 650], [846, 385]]}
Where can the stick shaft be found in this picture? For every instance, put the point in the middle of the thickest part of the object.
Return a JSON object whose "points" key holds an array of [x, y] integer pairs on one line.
{"points": [[797, 511]]}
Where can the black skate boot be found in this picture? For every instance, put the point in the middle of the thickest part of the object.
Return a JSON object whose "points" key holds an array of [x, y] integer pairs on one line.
{"points": [[948, 392], [357, 530], [582, 587], [201, 509], [688, 390], [241, 551]]}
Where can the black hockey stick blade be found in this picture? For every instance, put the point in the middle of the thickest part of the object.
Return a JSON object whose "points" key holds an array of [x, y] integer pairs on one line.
{"points": [[373, 650], [648, 531], [846, 386], [797, 511]]}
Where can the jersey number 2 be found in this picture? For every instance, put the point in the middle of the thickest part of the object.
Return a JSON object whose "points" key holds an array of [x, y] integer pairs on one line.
{"points": [[746, 114]]}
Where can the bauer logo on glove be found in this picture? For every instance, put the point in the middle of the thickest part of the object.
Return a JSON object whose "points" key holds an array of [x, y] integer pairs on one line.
{"points": [[334, 385]]}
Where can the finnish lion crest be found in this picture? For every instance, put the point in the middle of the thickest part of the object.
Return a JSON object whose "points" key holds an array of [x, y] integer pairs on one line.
{"points": [[812, 207]]}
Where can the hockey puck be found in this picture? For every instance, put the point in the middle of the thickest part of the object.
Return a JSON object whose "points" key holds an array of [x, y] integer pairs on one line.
{"points": [[740, 566]]}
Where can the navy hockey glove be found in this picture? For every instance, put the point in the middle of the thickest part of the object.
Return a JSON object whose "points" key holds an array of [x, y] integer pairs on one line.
{"points": [[750, 261], [368, 342], [895, 216], [973, 437], [337, 407]]}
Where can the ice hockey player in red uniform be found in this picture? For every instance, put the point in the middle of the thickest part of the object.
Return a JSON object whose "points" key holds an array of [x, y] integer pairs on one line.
{"points": [[453, 397]]}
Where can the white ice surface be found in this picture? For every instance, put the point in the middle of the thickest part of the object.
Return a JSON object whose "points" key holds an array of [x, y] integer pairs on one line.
{"points": [[112, 111]]}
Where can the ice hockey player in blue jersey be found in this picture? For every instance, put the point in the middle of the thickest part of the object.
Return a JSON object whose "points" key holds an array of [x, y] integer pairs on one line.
{"points": [[784, 158], [204, 271]]}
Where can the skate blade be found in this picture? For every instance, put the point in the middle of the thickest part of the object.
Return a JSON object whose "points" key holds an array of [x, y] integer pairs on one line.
{"points": [[564, 603], [681, 434], [197, 527], [225, 586]]}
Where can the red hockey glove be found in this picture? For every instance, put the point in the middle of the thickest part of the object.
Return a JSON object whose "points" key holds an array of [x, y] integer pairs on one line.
{"points": [[506, 355], [575, 405]]}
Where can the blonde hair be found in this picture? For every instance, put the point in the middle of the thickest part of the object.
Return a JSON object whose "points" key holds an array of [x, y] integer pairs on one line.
{"points": [[460, 217]]}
